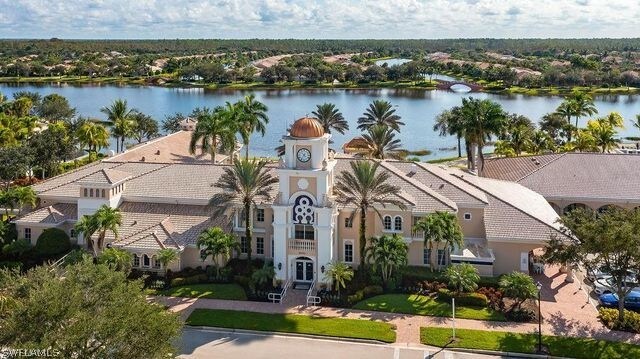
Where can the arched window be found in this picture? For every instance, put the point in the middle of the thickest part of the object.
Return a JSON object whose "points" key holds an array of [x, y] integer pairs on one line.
{"points": [[607, 207], [397, 223], [136, 260], [156, 262], [574, 206], [146, 261], [387, 223], [303, 212]]}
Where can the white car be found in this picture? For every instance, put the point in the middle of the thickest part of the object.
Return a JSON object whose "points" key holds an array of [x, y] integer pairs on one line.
{"points": [[606, 285], [597, 273]]}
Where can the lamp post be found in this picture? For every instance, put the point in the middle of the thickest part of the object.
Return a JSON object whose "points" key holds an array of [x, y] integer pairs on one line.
{"points": [[539, 286]]}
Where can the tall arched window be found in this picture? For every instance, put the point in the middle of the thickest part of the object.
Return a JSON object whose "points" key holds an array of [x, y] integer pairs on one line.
{"points": [[397, 223], [387, 222], [136, 260]]}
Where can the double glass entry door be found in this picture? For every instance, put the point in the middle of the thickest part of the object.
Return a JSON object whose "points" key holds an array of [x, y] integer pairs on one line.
{"points": [[304, 270]]}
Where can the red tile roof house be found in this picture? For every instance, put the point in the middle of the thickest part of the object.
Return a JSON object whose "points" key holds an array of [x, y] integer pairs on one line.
{"points": [[164, 203]]}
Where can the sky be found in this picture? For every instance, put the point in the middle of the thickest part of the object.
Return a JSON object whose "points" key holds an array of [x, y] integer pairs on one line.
{"points": [[328, 19]]}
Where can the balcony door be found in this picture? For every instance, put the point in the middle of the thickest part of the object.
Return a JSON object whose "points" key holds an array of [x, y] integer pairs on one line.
{"points": [[304, 269]]}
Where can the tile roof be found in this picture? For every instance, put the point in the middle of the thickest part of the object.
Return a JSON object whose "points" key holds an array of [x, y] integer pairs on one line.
{"points": [[53, 214], [516, 168], [594, 176], [155, 226], [106, 176]]}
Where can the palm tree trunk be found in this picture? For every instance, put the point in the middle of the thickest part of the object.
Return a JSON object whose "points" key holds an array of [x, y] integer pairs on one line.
{"points": [[362, 232], [247, 228], [481, 157], [431, 266], [246, 150], [459, 146], [214, 144]]}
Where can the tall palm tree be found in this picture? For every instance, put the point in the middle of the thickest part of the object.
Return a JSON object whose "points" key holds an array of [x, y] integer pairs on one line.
{"points": [[119, 118], [520, 138], [25, 196], [438, 228], [247, 181], [482, 120], [93, 136], [604, 134], [582, 105], [215, 129], [339, 273], [252, 116], [215, 242], [381, 143], [451, 123], [166, 256], [380, 112], [388, 253], [365, 188], [105, 219], [331, 118], [540, 141]]}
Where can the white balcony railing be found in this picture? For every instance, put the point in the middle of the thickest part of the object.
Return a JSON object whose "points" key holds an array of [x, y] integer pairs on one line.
{"points": [[304, 245]]}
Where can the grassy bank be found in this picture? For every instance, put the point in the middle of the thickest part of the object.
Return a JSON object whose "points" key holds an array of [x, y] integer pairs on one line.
{"points": [[291, 323], [424, 305], [527, 343]]}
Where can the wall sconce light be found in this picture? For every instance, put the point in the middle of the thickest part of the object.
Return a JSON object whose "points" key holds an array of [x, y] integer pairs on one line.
{"points": [[322, 269], [279, 266]]}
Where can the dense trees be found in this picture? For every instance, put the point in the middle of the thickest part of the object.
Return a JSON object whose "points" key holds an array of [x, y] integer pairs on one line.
{"points": [[440, 229], [104, 220]]}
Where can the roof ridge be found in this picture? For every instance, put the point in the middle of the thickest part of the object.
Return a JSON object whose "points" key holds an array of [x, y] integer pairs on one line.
{"points": [[541, 167], [70, 172], [421, 186], [425, 167], [144, 144], [508, 203]]}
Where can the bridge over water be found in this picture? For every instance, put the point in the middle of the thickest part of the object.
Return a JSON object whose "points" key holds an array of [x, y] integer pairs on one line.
{"points": [[446, 85]]}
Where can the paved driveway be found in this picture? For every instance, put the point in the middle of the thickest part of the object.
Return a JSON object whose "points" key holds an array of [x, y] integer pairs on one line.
{"points": [[206, 343]]}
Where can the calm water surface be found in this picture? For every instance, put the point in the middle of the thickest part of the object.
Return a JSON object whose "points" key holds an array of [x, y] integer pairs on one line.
{"points": [[418, 108]]}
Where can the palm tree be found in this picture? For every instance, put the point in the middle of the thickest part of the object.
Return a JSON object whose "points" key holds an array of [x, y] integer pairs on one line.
{"points": [[482, 120], [462, 278], [451, 123], [93, 136], [388, 253], [339, 273], [519, 287], [540, 142], [25, 196], [380, 112], [105, 219], [119, 118], [604, 134], [331, 118], [117, 259], [582, 105], [215, 129], [381, 143], [216, 243], [438, 228], [166, 256], [252, 117], [520, 138], [365, 188], [247, 181], [584, 142]]}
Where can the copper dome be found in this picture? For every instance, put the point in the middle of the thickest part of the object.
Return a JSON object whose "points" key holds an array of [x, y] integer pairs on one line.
{"points": [[306, 128]]}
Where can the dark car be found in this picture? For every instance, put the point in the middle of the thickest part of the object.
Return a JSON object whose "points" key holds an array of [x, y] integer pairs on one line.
{"points": [[631, 301]]}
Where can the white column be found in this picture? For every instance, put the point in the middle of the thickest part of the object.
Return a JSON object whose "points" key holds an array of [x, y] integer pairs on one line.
{"points": [[280, 241], [324, 240]]}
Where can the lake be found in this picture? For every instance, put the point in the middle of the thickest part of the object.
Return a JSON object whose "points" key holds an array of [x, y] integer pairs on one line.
{"points": [[418, 108]]}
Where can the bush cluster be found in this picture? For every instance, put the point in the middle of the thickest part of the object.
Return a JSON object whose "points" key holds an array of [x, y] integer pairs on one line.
{"points": [[520, 315], [609, 317], [52, 242], [466, 299], [494, 296], [194, 279]]}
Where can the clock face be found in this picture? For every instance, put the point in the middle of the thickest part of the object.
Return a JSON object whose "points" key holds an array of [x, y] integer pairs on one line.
{"points": [[304, 155]]}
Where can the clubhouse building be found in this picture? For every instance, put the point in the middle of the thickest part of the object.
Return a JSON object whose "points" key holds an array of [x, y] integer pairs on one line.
{"points": [[163, 192]]}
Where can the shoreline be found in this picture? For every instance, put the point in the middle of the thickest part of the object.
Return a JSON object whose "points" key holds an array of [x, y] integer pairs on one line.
{"points": [[241, 86]]}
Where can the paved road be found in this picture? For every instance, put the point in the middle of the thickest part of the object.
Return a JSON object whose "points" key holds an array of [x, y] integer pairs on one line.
{"points": [[210, 343]]}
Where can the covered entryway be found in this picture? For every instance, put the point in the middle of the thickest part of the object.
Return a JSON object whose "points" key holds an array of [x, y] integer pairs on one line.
{"points": [[303, 267]]}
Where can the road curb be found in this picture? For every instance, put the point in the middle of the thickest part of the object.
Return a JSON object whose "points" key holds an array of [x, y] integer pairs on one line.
{"points": [[295, 335], [505, 354]]}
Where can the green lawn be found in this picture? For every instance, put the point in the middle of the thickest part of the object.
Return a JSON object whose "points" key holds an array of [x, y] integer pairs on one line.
{"points": [[527, 343], [423, 305], [291, 323], [209, 290]]}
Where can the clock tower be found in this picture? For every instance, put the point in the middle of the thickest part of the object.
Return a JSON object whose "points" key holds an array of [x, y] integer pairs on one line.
{"points": [[304, 213]]}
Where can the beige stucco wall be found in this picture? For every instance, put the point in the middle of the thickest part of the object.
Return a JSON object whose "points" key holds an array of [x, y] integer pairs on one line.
{"points": [[473, 228], [312, 188], [508, 255]]}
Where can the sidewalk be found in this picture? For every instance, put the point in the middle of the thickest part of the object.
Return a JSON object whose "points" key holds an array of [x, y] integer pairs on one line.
{"points": [[565, 310]]}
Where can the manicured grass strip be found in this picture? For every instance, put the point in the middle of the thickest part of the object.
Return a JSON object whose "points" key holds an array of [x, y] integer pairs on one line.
{"points": [[527, 343], [292, 323], [209, 290], [423, 305]]}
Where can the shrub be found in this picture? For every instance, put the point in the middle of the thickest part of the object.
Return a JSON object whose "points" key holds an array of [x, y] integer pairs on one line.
{"points": [[176, 282], [52, 242], [609, 318], [10, 265], [462, 277], [519, 287], [520, 315], [467, 299], [242, 280], [355, 298], [372, 290], [494, 296]]}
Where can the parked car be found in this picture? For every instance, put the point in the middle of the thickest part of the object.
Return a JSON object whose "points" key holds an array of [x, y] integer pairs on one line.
{"points": [[631, 301], [607, 285], [595, 273]]}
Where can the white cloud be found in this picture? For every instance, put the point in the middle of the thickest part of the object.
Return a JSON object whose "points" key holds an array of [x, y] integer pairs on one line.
{"points": [[318, 19]]}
